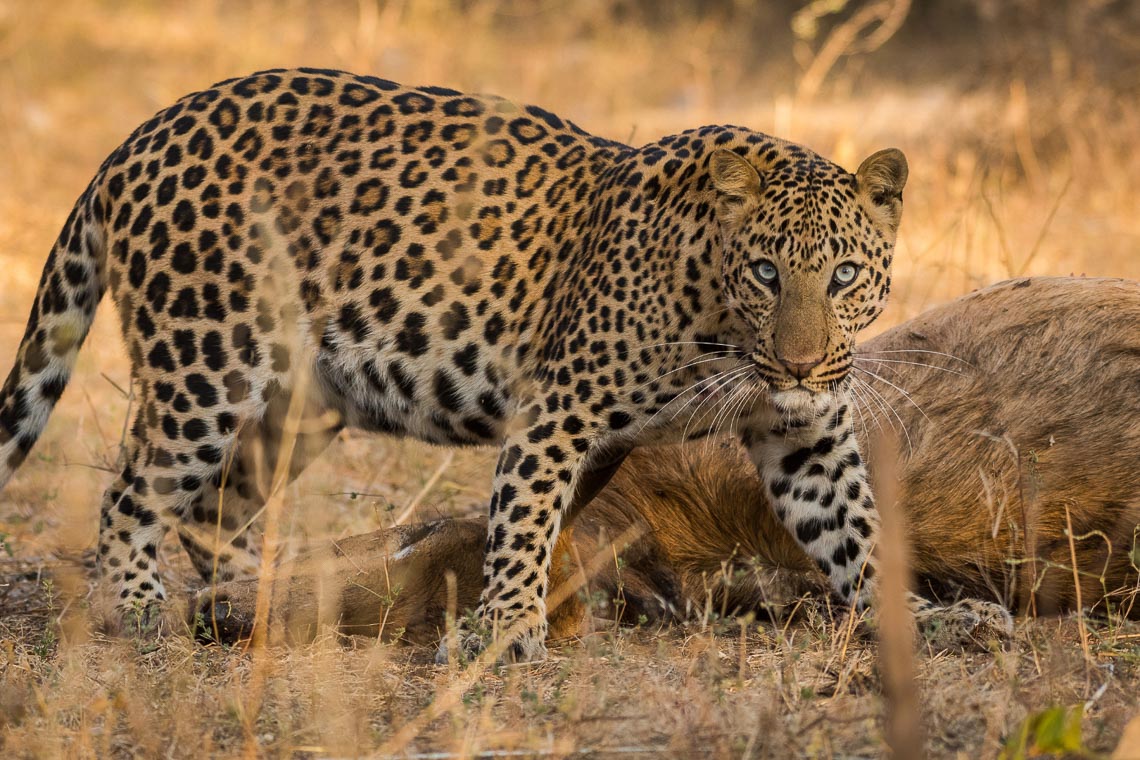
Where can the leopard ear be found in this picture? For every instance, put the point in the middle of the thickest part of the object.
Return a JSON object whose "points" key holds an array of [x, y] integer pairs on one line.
{"points": [[881, 179], [737, 184]]}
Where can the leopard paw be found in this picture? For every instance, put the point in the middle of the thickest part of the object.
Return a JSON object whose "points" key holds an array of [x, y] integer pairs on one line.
{"points": [[515, 642], [464, 645], [143, 621], [968, 624]]}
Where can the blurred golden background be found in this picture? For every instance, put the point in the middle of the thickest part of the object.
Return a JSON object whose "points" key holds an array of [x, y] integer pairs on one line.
{"points": [[1020, 119], [1020, 116]]}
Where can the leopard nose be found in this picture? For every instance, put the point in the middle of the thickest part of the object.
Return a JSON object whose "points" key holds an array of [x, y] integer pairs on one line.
{"points": [[798, 368]]}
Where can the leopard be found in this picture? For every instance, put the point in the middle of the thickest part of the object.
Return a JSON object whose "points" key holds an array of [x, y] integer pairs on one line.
{"points": [[300, 251], [1019, 498]]}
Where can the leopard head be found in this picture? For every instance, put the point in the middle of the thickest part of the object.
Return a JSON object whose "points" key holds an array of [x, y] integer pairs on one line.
{"points": [[807, 250]]}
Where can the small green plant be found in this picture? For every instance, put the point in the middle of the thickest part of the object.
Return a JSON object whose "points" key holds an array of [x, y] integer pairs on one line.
{"points": [[535, 704], [1134, 555], [1052, 731], [6, 544], [474, 696], [48, 638], [199, 628], [388, 601]]}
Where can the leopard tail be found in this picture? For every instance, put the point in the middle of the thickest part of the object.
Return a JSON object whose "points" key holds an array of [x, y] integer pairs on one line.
{"points": [[70, 288]]}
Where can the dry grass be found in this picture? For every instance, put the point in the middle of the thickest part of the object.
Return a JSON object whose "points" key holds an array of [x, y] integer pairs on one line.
{"points": [[1023, 158]]}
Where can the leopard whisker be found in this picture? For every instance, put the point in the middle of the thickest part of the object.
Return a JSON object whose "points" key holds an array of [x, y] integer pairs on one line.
{"points": [[692, 343], [914, 364], [744, 403], [916, 351], [726, 406], [713, 396], [870, 393], [713, 391], [905, 393], [856, 403], [883, 413], [693, 388], [891, 410], [740, 406], [697, 361]]}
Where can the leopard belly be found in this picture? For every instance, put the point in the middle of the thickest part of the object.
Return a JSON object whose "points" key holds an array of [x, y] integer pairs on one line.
{"points": [[451, 399]]}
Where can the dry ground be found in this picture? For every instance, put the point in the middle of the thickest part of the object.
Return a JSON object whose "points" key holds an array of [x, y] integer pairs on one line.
{"points": [[1021, 128]]}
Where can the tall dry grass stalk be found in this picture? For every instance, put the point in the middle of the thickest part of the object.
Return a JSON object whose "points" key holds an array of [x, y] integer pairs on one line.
{"points": [[1021, 130], [904, 731], [269, 556]]}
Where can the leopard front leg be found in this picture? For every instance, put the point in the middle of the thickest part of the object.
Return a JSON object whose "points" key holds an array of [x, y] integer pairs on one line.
{"points": [[818, 487], [543, 474]]}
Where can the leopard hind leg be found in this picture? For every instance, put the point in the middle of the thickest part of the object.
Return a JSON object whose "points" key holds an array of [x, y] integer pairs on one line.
{"points": [[222, 529], [205, 470]]}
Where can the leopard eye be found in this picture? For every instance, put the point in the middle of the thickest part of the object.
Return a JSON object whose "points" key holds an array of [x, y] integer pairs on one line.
{"points": [[765, 271], [845, 274]]}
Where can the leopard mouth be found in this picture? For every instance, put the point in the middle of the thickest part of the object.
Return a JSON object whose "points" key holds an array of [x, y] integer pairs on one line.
{"points": [[778, 380], [800, 400], [804, 394]]}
